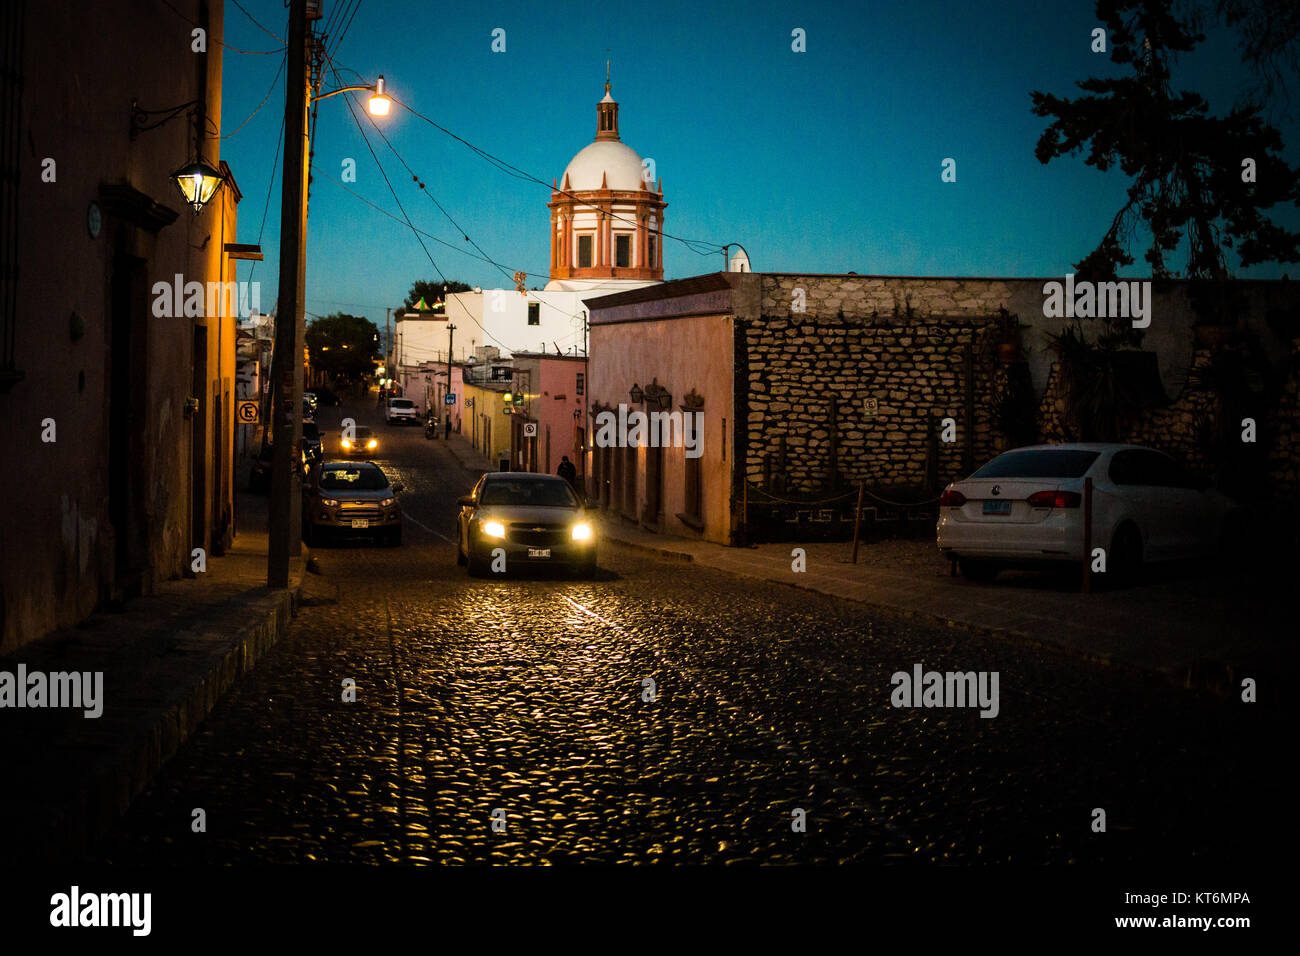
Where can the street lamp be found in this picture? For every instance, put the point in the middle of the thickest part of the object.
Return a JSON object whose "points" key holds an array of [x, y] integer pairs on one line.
{"points": [[379, 104], [287, 374], [636, 394], [198, 183]]}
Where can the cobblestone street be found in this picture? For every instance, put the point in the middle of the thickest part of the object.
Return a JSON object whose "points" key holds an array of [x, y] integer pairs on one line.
{"points": [[528, 695]]}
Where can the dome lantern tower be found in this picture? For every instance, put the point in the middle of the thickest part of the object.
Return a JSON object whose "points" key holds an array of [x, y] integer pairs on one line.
{"points": [[607, 113], [607, 214]]}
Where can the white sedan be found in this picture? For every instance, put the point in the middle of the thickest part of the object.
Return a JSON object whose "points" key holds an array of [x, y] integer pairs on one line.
{"points": [[1025, 509]]}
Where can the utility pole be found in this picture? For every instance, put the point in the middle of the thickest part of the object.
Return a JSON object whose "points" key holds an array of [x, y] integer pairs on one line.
{"points": [[446, 408], [286, 362], [388, 342]]}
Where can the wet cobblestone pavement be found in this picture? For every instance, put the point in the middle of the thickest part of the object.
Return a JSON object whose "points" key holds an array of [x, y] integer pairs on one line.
{"points": [[528, 696]]}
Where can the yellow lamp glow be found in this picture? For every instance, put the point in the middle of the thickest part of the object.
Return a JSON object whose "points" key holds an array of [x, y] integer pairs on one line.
{"points": [[198, 183], [380, 103]]}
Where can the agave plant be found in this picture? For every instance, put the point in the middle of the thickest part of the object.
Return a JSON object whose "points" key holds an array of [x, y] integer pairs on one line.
{"points": [[1098, 398]]}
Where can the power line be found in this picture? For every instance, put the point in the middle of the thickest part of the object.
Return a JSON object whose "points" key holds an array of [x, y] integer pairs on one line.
{"points": [[254, 19], [523, 174], [195, 23], [401, 208], [274, 83]]}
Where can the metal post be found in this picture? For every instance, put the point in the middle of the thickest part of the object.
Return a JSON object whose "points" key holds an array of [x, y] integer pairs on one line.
{"points": [[286, 375], [857, 521], [1087, 536], [446, 408]]}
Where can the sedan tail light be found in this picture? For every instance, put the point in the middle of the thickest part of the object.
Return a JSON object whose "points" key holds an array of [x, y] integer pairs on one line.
{"points": [[1055, 499], [951, 499]]}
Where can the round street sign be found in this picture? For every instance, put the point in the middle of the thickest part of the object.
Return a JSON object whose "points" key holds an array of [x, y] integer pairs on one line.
{"points": [[247, 412]]}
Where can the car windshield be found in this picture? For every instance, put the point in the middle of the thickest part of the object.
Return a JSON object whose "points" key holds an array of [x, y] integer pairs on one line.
{"points": [[1040, 463], [309, 430], [362, 432], [402, 403], [353, 479], [536, 492]]}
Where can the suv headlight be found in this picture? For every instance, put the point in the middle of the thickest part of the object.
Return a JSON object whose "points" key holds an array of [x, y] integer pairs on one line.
{"points": [[494, 529], [330, 502], [582, 531], [388, 502]]}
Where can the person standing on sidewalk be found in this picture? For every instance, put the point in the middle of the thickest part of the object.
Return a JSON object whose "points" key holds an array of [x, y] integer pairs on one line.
{"points": [[568, 472]]}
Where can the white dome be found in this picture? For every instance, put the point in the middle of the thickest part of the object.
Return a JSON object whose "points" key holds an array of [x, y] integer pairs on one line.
{"points": [[618, 162]]}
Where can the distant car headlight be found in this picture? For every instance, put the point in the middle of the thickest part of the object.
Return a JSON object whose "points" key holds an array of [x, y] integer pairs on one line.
{"points": [[330, 502], [372, 443], [388, 502], [494, 529], [346, 443], [582, 531]]}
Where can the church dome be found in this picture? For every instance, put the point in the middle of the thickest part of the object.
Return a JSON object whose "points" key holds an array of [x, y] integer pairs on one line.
{"points": [[604, 164]]}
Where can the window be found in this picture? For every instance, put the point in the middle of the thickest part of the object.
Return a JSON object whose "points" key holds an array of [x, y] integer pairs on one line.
{"points": [[651, 250], [692, 486], [534, 313], [582, 382], [584, 252], [1053, 463], [622, 251]]}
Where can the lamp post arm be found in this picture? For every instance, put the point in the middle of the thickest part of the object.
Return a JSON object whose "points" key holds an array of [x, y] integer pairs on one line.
{"points": [[343, 89]]}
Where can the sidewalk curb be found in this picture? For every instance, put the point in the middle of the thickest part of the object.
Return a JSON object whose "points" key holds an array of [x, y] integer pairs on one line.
{"points": [[95, 803]]}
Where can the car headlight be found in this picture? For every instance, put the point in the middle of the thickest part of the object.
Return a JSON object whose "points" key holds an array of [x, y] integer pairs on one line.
{"points": [[346, 443], [388, 502], [372, 443], [582, 531], [329, 502], [494, 529]]}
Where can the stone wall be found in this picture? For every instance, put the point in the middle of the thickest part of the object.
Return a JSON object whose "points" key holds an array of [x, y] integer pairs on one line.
{"points": [[900, 341]]}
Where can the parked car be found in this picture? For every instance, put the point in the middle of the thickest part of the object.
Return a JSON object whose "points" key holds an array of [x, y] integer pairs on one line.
{"points": [[351, 498], [401, 411], [1025, 509], [311, 399], [363, 443], [326, 397], [536, 519]]}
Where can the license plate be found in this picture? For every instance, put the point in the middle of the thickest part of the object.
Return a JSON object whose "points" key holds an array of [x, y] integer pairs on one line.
{"points": [[997, 507], [360, 523], [539, 552]]}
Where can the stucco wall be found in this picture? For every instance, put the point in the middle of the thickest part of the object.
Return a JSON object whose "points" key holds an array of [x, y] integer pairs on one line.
{"points": [[692, 352]]}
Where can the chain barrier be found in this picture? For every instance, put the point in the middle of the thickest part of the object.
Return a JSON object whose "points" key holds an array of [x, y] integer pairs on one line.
{"points": [[850, 494]]}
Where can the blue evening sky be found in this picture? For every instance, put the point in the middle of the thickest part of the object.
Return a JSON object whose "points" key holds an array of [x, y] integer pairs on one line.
{"points": [[824, 161]]}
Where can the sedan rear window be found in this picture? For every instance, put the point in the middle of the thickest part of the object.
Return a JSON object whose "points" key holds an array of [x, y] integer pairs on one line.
{"points": [[353, 479], [1041, 463], [543, 494]]}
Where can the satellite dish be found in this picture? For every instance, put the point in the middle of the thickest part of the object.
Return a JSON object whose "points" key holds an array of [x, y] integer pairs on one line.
{"points": [[739, 262]]}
